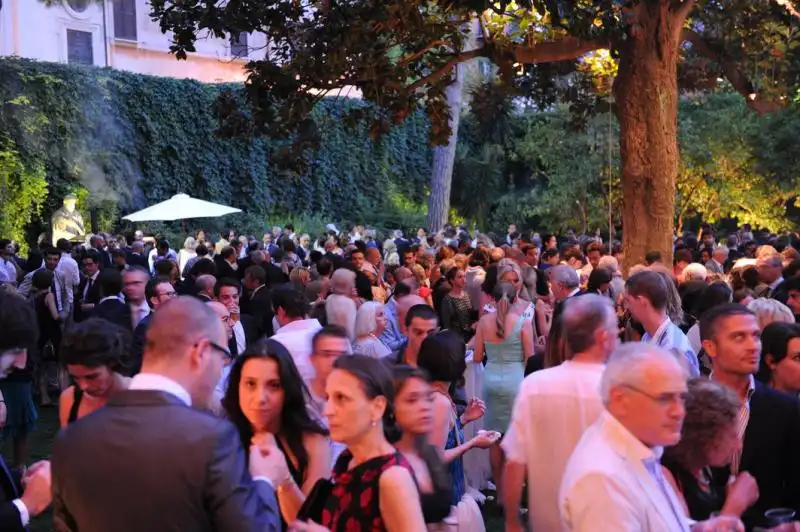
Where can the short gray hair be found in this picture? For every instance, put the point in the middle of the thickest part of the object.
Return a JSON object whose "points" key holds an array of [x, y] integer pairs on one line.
{"points": [[582, 317], [609, 262], [565, 275], [626, 366], [365, 318], [695, 272]]}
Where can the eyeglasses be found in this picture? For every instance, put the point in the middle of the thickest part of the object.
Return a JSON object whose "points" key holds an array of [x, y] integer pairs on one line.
{"points": [[226, 353], [665, 399], [170, 293]]}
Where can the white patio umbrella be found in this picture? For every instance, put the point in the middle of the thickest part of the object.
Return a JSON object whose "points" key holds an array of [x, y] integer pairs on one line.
{"points": [[179, 207]]}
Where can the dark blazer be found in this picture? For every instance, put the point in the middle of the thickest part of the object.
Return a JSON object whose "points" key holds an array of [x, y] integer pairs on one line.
{"points": [[250, 327], [770, 453], [10, 489], [259, 306], [92, 297], [243, 265], [275, 276], [116, 312], [135, 259], [105, 258], [224, 269], [148, 462], [134, 362]]}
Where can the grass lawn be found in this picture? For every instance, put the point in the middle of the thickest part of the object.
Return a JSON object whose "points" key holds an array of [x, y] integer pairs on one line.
{"points": [[41, 441]]}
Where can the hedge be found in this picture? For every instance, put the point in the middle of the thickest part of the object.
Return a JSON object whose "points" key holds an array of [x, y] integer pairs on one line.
{"points": [[124, 141]]}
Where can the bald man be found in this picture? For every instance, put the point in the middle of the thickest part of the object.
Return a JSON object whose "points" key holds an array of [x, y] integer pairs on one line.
{"points": [[149, 442]]}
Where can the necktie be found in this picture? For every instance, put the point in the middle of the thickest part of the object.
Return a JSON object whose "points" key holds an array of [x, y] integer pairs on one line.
{"points": [[653, 467], [87, 290], [232, 346]]}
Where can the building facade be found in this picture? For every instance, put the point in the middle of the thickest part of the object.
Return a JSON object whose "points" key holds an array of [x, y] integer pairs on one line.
{"points": [[118, 34]]}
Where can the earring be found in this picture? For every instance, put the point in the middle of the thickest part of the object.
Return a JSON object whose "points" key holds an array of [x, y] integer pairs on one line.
{"points": [[374, 423]]}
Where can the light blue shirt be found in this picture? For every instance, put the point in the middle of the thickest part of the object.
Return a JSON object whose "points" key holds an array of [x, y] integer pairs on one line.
{"points": [[391, 336], [671, 338]]}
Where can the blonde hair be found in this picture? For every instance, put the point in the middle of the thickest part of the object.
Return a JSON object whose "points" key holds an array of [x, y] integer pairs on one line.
{"points": [[770, 311], [504, 296], [300, 275], [507, 265]]}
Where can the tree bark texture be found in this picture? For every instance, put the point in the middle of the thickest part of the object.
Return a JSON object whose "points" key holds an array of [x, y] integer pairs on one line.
{"points": [[444, 158], [646, 93]]}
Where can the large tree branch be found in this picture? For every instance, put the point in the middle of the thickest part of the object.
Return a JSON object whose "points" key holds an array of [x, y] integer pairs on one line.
{"points": [[564, 49], [683, 8], [731, 71]]}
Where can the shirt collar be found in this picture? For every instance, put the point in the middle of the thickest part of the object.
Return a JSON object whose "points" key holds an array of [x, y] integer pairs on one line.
{"points": [[160, 383], [626, 443], [574, 292], [108, 298], [751, 387], [141, 306], [774, 284]]}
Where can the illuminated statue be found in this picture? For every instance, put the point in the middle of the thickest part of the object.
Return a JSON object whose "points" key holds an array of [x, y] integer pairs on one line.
{"points": [[67, 222]]}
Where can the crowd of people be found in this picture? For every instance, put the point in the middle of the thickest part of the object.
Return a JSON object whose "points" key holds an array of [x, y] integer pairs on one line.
{"points": [[315, 384]]}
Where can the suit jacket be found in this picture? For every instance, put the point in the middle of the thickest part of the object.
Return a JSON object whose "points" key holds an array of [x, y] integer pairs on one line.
{"points": [[10, 489], [243, 265], [225, 270], [187, 464], [135, 259], [116, 312], [134, 363], [606, 485], [714, 267], [275, 276], [259, 306], [250, 327], [105, 258], [92, 297], [771, 441]]}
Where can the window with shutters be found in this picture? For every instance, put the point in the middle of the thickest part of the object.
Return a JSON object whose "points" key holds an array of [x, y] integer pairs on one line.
{"points": [[239, 45], [80, 48], [125, 20]]}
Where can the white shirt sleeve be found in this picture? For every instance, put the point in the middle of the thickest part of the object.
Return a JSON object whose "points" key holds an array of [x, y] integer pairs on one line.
{"points": [[598, 502], [24, 515], [518, 433]]}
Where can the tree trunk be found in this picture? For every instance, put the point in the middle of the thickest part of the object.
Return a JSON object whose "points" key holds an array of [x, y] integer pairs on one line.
{"points": [[443, 160], [646, 92]]}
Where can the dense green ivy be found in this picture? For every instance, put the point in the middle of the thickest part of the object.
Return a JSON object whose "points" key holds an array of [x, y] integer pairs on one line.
{"points": [[123, 141]]}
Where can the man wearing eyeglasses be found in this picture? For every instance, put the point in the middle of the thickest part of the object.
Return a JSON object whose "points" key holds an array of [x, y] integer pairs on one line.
{"points": [[20, 498], [157, 291], [154, 441], [614, 479], [225, 317]]}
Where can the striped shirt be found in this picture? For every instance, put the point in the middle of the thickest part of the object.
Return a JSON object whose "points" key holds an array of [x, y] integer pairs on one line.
{"points": [[671, 338], [742, 418]]}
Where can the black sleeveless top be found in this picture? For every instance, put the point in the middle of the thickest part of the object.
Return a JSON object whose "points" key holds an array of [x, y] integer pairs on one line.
{"points": [[297, 475], [701, 503], [77, 397]]}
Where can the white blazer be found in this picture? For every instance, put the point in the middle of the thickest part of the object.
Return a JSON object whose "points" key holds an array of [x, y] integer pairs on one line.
{"points": [[606, 486]]}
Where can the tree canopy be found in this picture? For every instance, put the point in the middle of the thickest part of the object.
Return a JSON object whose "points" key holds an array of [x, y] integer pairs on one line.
{"points": [[401, 54], [630, 56]]}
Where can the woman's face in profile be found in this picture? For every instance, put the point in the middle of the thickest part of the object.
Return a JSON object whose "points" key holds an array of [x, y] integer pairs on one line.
{"points": [[96, 382], [414, 406]]}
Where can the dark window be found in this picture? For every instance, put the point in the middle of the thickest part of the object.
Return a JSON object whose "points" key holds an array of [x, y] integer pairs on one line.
{"points": [[125, 19], [239, 45], [79, 47]]}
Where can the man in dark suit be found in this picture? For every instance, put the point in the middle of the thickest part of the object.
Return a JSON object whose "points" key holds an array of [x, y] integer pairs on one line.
{"points": [[768, 421], [273, 275], [18, 505], [158, 291], [136, 255], [245, 329], [88, 290], [564, 283], [154, 439], [110, 307], [258, 302], [224, 262], [98, 244]]}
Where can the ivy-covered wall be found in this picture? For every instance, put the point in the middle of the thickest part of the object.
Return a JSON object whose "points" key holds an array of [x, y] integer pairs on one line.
{"points": [[123, 141]]}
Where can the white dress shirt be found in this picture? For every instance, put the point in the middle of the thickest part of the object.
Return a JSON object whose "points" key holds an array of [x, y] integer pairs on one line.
{"points": [[553, 409], [8, 273], [608, 485], [296, 337], [241, 338], [154, 381]]}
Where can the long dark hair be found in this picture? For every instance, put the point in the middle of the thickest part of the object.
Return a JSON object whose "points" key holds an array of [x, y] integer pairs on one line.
{"points": [[440, 476], [295, 419]]}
